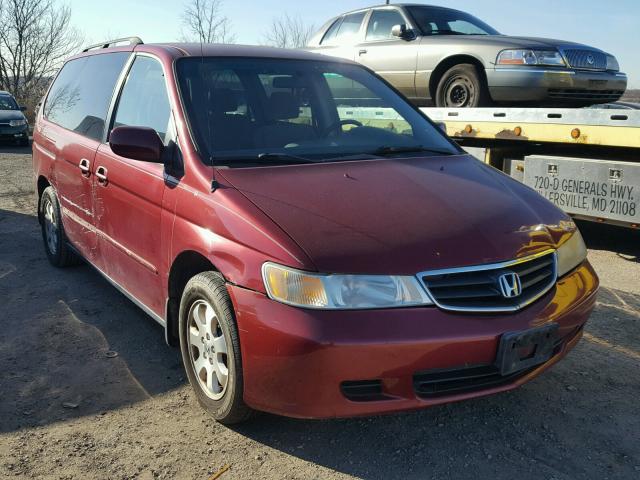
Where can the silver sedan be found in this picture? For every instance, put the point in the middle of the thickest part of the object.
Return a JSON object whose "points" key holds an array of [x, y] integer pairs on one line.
{"points": [[450, 58]]}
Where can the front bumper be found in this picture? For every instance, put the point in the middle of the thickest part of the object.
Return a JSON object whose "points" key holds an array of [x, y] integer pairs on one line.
{"points": [[15, 134], [530, 84], [295, 361]]}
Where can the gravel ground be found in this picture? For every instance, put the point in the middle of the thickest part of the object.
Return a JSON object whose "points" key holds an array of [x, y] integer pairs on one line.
{"points": [[71, 409]]}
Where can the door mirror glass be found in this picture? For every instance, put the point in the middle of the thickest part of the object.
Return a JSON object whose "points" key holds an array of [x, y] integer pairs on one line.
{"points": [[137, 143]]}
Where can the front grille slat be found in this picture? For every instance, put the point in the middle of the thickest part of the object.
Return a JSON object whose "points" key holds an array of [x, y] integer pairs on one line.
{"points": [[586, 59], [581, 94], [471, 292], [533, 280], [477, 288]]}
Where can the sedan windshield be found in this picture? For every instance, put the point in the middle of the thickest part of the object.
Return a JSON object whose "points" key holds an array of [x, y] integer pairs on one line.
{"points": [[7, 103], [274, 111], [444, 21]]}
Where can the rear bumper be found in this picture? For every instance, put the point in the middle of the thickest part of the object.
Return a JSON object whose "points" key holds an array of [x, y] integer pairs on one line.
{"points": [[526, 84], [295, 360]]}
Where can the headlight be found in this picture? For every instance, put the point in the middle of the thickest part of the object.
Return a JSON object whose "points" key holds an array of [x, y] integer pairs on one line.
{"points": [[530, 57], [312, 290], [612, 63], [17, 123], [571, 254]]}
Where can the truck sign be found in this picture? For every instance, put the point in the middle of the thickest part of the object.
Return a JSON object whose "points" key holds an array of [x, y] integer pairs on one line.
{"points": [[590, 188]]}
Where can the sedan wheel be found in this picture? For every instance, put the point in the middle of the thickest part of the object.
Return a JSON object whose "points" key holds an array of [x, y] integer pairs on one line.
{"points": [[462, 86]]}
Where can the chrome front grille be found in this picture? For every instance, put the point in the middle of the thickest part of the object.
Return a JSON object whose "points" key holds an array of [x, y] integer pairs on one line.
{"points": [[586, 59], [478, 289]]}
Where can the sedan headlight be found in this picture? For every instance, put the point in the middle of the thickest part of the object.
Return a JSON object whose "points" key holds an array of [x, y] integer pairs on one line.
{"points": [[571, 254], [17, 123], [612, 64], [340, 292], [530, 57]]}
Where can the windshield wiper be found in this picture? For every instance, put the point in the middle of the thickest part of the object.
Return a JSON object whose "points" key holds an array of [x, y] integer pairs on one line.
{"points": [[388, 150], [446, 32], [279, 157], [266, 158]]}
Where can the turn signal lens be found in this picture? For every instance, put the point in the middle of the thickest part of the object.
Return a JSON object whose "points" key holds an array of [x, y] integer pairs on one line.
{"points": [[312, 290], [571, 254]]}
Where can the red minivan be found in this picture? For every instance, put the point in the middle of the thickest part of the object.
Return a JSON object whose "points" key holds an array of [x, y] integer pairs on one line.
{"points": [[315, 245]]}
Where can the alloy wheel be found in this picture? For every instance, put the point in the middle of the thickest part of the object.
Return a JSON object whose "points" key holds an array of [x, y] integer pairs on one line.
{"points": [[50, 226], [208, 349]]}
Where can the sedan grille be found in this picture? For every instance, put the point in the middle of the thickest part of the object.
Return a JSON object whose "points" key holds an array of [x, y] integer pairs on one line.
{"points": [[591, 95], [586, 59], [501, 287]]}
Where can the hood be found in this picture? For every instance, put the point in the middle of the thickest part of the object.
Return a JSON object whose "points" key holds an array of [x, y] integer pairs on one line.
{"points": [[6, 115], [506, 41], [544, 42], [402, 216]]}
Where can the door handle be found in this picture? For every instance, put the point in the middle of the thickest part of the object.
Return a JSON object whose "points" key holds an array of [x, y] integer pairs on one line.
{"points": [[101, 175], [84, 167], [362, 52]]}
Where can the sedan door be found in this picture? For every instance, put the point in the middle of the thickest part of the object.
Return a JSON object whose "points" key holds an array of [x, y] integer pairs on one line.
{"points": [[391, 57], [128, 193]]}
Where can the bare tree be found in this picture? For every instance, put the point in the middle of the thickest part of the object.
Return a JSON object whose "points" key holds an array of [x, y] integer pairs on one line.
{"points": [[203, 21], [288, 32], [35, 37]]}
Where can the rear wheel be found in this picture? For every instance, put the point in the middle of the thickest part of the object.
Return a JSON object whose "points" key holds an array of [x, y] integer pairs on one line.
{"points": [[462, 86], [55, 241], [210, 348]]}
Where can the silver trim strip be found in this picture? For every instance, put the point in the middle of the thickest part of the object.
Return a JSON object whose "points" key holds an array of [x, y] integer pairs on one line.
{"points": [[561, 116], [492, 266]]}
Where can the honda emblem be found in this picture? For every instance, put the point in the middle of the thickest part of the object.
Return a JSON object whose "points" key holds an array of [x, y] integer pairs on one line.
{"points": [[510, 285]]}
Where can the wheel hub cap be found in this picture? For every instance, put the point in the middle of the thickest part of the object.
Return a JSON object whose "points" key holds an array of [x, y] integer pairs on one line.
{"points": [[208, 349], [460, 92]]}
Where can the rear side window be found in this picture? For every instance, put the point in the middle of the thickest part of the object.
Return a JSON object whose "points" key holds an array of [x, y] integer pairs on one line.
{"points": [[144, 101], [80, 95], [381, 23], [330, 36], [350, 27]]}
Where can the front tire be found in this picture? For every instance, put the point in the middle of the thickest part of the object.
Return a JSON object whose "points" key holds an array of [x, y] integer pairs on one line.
{"points": [[55, 241], [210, 347], [462, 86]]}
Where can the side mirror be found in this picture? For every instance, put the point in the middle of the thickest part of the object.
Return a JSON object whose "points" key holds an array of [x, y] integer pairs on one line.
{"points": [[401, 31], [137, 143], [23, 108]]}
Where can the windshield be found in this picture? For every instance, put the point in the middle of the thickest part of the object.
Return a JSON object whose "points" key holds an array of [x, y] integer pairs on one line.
{"points": [[294, 111], [8, 103], [443, 21]]}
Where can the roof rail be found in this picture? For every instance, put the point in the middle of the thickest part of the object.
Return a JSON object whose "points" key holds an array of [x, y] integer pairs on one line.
{"points": [[112, 43]]}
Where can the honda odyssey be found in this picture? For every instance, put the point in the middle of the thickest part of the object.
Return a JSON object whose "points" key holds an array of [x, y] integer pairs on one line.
{"points": [[308, 262]]}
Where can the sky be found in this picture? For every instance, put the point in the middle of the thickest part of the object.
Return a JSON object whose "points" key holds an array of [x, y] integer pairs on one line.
{"points": [[611, 25]]}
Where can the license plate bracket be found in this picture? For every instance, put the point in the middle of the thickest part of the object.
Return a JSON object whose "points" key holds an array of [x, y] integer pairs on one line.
{"points": [[524, 349]]}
